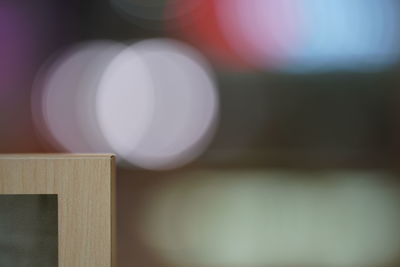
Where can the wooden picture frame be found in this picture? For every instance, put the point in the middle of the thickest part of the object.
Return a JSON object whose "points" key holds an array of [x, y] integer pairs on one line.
{"points": [[85, 189]]}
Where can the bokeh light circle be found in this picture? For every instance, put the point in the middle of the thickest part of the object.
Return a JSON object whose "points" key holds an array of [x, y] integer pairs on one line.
{"points": [[67, 87], [153, 103], [124, 101], [295, 36], [173, 101]]}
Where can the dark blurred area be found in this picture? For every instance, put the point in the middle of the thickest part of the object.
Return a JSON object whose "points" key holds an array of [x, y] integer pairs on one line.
{"points": [[247, 132]]}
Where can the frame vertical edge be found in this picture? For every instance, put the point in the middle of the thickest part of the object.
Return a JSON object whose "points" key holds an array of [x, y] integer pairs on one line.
{"points": [[113, 212]]}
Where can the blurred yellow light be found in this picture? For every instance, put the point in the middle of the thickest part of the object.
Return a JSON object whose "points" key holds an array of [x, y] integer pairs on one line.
{"points": [[226, 218]]}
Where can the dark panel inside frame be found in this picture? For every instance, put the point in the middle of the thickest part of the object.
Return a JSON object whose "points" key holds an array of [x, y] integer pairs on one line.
{"points": [[28, 230]]}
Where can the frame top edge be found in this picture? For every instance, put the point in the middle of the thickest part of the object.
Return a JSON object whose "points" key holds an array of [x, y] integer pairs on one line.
{"points": [[56, 156]]}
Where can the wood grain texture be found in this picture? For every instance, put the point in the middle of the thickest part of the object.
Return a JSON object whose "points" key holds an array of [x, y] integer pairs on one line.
{"points": [[86, 200]]}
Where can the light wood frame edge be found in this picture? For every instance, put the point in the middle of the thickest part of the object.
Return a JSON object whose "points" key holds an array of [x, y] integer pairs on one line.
{"points": [[85, 185]]}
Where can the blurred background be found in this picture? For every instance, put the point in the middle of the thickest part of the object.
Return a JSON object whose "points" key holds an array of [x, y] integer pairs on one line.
{"points": [[248, 132]]}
